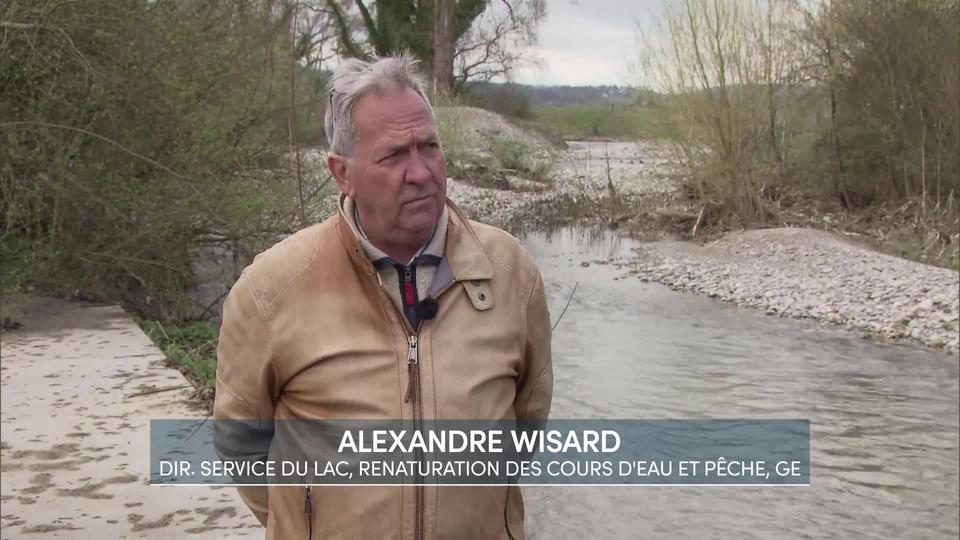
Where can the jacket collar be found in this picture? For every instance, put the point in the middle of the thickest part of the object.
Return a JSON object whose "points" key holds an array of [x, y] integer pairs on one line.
{"points": [[463, 251]]}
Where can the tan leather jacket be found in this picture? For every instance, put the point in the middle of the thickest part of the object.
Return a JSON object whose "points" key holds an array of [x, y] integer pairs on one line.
{"points": [[308, 333]]}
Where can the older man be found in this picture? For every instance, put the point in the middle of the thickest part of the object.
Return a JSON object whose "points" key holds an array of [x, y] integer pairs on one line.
{"points": [[397, 307]]}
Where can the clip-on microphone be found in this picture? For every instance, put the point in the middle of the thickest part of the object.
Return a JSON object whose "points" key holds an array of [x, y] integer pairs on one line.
{"points": [[427, 309]]}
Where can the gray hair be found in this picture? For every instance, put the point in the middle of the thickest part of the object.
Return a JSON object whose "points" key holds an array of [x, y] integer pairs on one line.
{"points": [[355, 78]]}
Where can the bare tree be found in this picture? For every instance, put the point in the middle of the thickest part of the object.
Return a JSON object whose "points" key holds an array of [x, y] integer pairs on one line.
{"points": [[457, 40], [498, 41], [705, 54]]}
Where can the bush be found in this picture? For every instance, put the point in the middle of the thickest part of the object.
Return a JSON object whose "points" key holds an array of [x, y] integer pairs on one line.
{"points": [[519, 156], [134, 132], [859, 105]]}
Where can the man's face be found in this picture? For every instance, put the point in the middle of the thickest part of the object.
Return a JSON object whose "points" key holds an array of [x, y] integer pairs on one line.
{"points": [[397, 173]]}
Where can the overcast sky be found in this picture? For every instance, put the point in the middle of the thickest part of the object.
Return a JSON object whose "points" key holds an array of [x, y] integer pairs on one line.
{"points": [[588, 42]]}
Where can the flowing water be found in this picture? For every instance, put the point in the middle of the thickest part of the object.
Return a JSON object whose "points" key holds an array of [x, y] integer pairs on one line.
{"points": [[884, 418]]}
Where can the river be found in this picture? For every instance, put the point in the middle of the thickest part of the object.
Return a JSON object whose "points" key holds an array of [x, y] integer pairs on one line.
{"points": [[884, 418]]}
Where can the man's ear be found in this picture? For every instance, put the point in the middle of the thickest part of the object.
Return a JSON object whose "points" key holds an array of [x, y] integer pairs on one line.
{"points": [[337, 165]]}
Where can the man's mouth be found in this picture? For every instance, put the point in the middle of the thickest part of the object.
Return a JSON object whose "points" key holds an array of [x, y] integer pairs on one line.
{"points": [[419, 199]]}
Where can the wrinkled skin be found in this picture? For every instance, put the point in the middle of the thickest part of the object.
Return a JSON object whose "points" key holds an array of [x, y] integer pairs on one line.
{"points": [[396, 173]]}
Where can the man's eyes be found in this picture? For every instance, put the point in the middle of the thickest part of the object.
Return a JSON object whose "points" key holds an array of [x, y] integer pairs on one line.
{"points": [[433, 145]]}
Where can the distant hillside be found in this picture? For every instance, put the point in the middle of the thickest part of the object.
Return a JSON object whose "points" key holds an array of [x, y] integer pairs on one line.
{"points": [[577, 95], [574, 112], [558, 95]]}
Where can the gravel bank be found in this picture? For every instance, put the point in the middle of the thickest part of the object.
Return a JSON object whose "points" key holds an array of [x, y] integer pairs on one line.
{"points": [[805, 273], [578, 182]]}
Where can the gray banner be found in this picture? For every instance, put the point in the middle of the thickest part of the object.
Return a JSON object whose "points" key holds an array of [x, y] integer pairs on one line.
{"points": [[557, 452]]}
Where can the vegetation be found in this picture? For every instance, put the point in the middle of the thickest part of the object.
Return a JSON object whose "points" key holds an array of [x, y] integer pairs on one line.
{"points": [[460, 158], [136, 137], [139, 137], [191, 348], [505, 99], [853, 102], [519, 156], [491, 150]]}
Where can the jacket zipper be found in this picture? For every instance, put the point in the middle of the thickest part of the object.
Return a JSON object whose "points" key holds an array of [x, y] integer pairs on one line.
{"points": [[413, 392], [308, 510]]}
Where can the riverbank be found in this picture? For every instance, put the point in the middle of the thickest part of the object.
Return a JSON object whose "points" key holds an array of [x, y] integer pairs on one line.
{"points": [[598, 182], [802, 273]]}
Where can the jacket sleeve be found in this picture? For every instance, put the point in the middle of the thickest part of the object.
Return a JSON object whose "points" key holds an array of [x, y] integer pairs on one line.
{"points": [[243, 404], [535, 390]]}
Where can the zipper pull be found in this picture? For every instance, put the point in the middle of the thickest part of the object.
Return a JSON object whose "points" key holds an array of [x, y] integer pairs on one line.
{"points": [[412, 356], [412, 359]]}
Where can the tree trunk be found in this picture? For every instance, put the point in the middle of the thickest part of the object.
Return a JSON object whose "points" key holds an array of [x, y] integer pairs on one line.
{"points": [[840, 183], [443, 46]]}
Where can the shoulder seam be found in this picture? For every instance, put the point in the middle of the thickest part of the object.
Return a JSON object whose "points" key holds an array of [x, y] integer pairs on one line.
{"points": [[286, 284]]}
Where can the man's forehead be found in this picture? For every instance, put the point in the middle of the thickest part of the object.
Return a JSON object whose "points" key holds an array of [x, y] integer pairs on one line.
{"points": [[396, 109]]}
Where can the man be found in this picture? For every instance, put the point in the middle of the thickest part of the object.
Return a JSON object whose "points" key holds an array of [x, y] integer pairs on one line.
{"points": [[397, 307]]}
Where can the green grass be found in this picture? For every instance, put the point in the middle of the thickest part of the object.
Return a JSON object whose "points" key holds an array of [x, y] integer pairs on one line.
{"points": [[191, 347], [624, 122]]}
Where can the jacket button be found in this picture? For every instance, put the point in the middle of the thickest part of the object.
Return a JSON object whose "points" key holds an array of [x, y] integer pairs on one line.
{"points": [[482, 297], [475, 283]]}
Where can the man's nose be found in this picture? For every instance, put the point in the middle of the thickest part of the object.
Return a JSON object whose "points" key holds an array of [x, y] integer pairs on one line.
{"points": [[417, 170]]}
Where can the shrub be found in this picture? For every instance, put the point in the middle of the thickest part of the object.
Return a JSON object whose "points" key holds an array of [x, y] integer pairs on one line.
{"points": [[519, 156]]}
